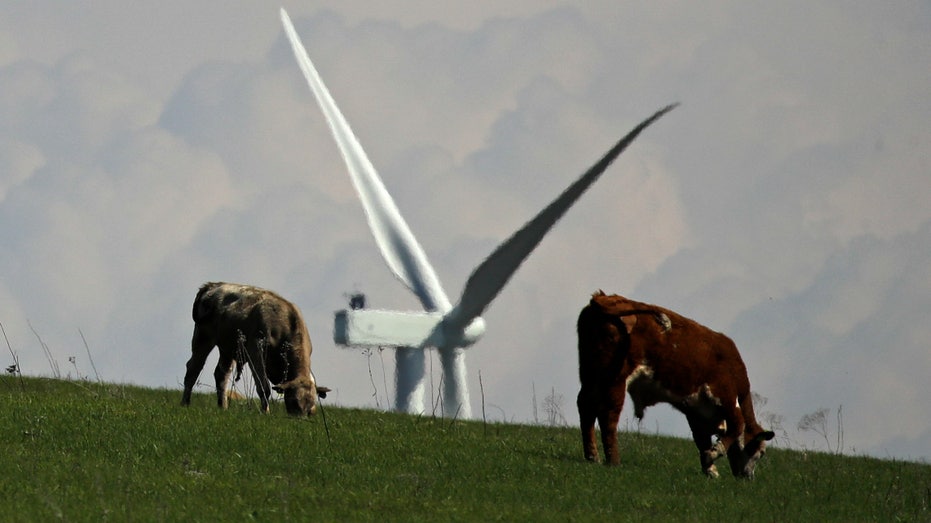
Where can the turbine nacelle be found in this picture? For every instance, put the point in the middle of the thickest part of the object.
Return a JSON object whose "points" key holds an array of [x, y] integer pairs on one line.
{"points": [[458, 337], [382, 328]]}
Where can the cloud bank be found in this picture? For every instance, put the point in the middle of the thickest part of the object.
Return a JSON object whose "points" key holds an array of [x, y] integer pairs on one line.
{"points": [[784, 203]]}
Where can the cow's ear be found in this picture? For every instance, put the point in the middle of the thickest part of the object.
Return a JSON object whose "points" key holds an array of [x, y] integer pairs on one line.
{"points": [[766, 435], [322, 391], [629, 322]]}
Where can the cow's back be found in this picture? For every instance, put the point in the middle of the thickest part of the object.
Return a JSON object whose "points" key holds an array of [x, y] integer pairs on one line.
{"points": [[216, 300], [232, 310], [684, 356]]}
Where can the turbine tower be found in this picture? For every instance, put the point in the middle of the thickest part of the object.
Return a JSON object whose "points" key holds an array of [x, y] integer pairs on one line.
{"points": [[450, 329]]}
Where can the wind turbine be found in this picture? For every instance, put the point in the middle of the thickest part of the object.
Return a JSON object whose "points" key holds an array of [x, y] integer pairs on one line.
{"points": [[442, 326]]}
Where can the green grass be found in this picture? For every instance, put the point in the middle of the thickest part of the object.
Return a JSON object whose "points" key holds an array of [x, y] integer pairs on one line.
{"points": [[81, 451]]}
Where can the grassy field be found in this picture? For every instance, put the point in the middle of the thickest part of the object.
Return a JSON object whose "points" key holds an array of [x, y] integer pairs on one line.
{"points": [[82, 451]]}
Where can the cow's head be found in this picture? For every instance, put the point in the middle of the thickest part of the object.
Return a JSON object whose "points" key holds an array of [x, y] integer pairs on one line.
{"points": [[743, 460], [300, 396]]}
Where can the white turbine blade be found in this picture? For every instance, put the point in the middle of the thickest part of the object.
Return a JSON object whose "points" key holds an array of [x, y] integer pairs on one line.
{"points": [[492, 274], [398, 245]]}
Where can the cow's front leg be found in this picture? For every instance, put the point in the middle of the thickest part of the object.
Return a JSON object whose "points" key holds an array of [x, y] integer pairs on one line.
{"points": [[222, 375], [730, 442], [708, 458], [260, 374], [587, 422], [707, 452], [263, 388]]}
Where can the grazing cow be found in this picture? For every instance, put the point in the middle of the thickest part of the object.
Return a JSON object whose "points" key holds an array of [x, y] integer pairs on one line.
{"points": [[665, 358], [258, 327]]}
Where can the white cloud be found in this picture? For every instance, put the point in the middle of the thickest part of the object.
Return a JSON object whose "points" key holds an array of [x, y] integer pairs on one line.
{"points": [[18, 160], [7, 48], [856, 339]]}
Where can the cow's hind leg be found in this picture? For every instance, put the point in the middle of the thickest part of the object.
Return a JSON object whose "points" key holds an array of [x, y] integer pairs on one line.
{"points": [[609, 413], [586, 406], [222, 376], [201, 345], [608, 416]]}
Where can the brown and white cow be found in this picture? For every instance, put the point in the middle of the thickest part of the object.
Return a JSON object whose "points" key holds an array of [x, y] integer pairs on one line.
{"points": [[258, 327], [659, 356]]}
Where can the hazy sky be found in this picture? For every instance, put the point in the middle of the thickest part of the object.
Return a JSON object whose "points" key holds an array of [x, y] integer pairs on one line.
{"points": [[147, 147]]}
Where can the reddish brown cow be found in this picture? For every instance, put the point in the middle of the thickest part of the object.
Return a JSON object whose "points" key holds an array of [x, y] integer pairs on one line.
{"points": [[666, 358], [258, 327]]}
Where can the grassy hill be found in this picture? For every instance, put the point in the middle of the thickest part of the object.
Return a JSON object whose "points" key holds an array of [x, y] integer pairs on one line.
{"points": [[82, 451]]}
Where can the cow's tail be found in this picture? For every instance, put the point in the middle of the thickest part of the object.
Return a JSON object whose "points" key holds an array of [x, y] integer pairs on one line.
{"points": [[202, 310]]}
